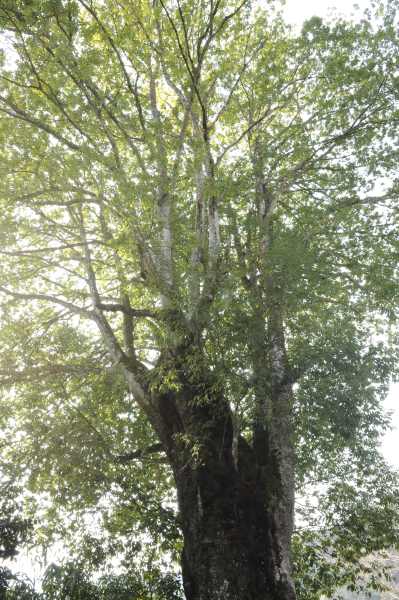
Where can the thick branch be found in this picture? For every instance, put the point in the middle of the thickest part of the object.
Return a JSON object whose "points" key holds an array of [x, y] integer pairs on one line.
{"points": [[130, 368]]}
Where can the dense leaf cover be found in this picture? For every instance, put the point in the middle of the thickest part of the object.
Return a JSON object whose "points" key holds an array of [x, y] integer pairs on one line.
{"points": [[72, 582]]}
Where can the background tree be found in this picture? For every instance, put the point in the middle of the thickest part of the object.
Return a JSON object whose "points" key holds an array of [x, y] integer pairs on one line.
{"points": [[72, 582], [15, 531], [14, 528], [200, 262]]}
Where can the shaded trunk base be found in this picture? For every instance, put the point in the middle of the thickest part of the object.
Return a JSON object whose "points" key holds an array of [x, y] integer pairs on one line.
{"points": [[235, 498], [224, 570], [235, 548]]}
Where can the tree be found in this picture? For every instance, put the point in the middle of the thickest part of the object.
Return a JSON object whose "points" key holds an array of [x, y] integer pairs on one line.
{"points": [[199, 243], [72, 582], [15, 531]]}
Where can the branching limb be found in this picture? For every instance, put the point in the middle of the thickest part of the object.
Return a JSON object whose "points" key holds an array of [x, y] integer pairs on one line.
{"points": [[132, 312], [12, 110], [129, 369], [140, 454], [84, 312]]}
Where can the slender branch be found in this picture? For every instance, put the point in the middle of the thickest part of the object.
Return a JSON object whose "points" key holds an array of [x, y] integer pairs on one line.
{"points": [[30, 251], [366, 200], [18, 113], [140, 453], [246, 131], [48, 298], [132, 312], [229, 17], [32, 374]]}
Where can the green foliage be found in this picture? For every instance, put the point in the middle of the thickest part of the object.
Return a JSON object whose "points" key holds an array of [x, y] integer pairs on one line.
{"points": [[345, 528], [68, 582], [71, 581], [14, 528], [16, 588]]}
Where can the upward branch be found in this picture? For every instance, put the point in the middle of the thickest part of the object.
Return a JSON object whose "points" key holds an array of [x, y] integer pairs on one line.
{"points": [[130, 368]]}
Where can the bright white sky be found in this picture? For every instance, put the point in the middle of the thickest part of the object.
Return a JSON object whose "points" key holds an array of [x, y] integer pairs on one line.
{"points": [[296, 12]]}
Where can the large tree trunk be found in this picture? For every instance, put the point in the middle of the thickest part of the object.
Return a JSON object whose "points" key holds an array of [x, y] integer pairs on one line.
{"points": [[234, 543], [235, 501]]}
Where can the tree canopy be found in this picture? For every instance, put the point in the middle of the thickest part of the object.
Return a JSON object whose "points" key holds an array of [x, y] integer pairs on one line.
{"points": [[199, 226]]}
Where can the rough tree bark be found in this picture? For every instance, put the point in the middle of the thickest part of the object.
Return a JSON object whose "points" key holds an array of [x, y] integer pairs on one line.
{"points": [[235, 499]]}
